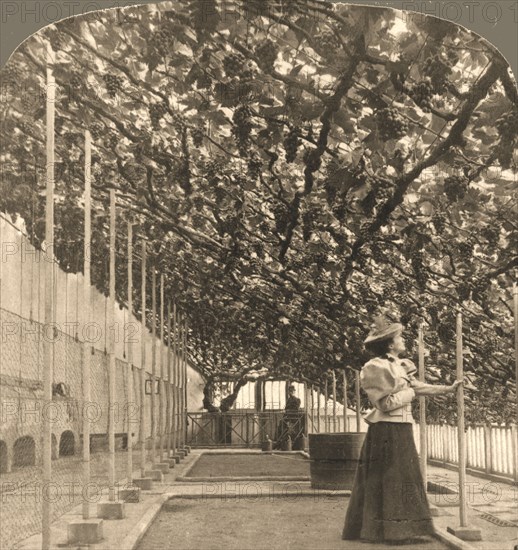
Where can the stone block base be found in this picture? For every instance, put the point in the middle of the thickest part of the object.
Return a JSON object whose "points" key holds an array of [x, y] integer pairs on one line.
{"points": [[155, 475], [162, 466], [176, 458], [466, 533], [171, 462], [143, 483], [110, 510], [85, 531], [130, 494]]}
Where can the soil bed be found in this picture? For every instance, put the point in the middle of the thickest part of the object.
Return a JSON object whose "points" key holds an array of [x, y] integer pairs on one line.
{"points": [[243, 465]]}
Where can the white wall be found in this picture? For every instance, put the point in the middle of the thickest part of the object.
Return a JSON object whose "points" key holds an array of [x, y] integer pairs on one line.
{"points": [[22, 292]]}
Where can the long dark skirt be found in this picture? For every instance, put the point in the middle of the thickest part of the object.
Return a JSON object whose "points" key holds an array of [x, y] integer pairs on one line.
{"points": [[388, 500]]}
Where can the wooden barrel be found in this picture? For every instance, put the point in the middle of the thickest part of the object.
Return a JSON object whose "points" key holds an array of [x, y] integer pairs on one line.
{"points": [[334, 458]]}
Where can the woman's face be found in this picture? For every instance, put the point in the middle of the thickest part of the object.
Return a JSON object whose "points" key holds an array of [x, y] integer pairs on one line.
{"points": [[398, 345]]}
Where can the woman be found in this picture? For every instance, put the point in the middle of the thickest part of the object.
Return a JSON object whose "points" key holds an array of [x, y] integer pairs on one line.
{"points": [[388, 500]]}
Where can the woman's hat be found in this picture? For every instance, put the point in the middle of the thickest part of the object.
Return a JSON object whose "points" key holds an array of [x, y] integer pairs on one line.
{"points": [[382, 329]]}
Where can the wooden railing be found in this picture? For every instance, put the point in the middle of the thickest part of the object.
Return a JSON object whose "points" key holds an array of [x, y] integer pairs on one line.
{"points": [[491, 449]]}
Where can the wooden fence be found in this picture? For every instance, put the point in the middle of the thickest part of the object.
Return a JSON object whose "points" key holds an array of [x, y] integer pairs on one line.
{"points": [[491, 449]]}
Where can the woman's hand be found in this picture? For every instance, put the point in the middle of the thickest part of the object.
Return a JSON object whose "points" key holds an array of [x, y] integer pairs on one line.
{"points": [[455, 385]]}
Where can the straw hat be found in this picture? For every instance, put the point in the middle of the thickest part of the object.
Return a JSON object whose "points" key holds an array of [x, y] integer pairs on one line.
{"points": [[381, 329]]}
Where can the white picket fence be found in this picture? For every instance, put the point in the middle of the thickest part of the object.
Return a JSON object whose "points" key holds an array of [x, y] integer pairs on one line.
{"points": [[492, 449]]}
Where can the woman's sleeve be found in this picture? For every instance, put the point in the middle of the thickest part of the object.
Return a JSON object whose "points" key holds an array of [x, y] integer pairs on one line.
{"points": [[385, 390], [421, 388]]}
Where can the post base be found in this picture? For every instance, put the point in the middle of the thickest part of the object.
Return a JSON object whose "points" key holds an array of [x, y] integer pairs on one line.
{"points": [[143, 483], [171, 462], [176, 457], [162, 466], [110, 510], [154, 474], [86, 531], [465, 533], [130, 494], [181, 453]]}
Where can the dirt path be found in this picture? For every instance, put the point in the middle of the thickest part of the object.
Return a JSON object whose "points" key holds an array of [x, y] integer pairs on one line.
{"points": [[287, 523]]}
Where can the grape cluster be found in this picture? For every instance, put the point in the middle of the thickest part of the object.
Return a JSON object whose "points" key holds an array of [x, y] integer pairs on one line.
{"points": [[455, 187], [71, 139], [161, 41], [242, 126], [25, 127], [465, 251], [439, 222], [113, 84], [57, 40], [417, 261], [178, 121], [254, 167], [377, 253], [312, 159], [391, 125], [97, 130], [12, 73], [76, 81], [308, 224], [491, 234], [282, 217], [507, 126], [233, 64], [438, 69], [266, 54], [327, 44], [291, 143], [197, 137], [156, 112], [422, 93], [384, 188], [135, 172], [32, 99], [112, 140]]}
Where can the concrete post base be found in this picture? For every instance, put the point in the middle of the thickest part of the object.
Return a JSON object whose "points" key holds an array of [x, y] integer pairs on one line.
{"points": [[171, 462], [465, 533], [176, 458], [130, 494], [110, 510], [143, 483], [162, 466], [188, 449], [154, 474], [181, 453], [85, 531]]}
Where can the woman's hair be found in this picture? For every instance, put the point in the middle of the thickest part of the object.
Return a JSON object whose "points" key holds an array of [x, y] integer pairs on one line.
{"points": [[379, 347]]}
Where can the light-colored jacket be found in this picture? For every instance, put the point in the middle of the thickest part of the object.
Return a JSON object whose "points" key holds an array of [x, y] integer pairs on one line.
{"points": [[391, 386]]}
